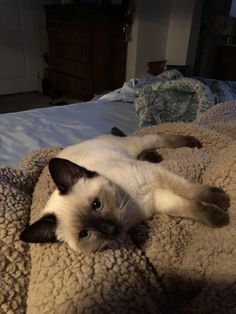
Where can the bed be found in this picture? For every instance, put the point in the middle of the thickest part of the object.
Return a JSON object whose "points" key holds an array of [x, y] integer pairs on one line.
{"points": [[167, 97], [23, 132], [167, 265]]}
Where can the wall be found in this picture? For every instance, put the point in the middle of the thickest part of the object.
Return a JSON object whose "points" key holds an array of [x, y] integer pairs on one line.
{"points": [[149, 36], [163, 30], [194, 33], [179, 31], [214, 11]]}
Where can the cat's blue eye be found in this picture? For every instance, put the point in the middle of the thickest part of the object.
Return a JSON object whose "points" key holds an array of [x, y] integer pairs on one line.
{"points": [[84, 234], [96, 204]]}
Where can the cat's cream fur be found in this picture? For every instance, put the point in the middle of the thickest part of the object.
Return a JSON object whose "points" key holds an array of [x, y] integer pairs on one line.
{"points": [[129, 190]]}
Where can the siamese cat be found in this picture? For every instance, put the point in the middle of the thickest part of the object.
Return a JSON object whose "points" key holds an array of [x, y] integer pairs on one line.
{"points": [[102, 190]]}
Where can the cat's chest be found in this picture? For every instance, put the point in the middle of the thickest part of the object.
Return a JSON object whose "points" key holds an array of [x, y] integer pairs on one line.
{"points": [[134, 177]]}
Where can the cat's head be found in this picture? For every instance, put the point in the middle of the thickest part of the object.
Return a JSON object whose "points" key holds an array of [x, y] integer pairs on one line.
{"points": [[85, 210]]}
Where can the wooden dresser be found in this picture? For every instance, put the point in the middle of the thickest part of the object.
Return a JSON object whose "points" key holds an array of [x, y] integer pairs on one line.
{"points": [[87, 49]]}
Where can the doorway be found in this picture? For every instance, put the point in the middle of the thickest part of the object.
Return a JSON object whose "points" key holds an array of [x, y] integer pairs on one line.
{"points": [[20, 53]]}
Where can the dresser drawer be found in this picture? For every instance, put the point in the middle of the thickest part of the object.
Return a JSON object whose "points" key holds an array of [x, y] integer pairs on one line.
{"points": [[70, 35], [87, 52], [69, 52], [83, 70], [75, 87]]}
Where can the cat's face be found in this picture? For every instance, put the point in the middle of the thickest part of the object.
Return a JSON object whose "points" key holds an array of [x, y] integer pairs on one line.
{"points": [[90, 216], [87, 211]]}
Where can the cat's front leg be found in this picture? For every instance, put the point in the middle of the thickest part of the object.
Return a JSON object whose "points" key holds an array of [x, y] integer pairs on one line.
{"points": [[212, 204], [189, 190], [179, 197], [213, 195], [207, 213]]}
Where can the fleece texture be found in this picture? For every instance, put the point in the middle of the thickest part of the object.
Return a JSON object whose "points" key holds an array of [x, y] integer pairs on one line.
{"points": [[165, 265]]}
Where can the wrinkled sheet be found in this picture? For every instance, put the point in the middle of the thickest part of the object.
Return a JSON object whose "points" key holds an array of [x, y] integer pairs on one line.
{"points": [[222, 90], [171, 97], [23, 132]]}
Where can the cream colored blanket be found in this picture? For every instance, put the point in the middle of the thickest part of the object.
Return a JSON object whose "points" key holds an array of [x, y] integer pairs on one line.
{"points": [[166, 265]]}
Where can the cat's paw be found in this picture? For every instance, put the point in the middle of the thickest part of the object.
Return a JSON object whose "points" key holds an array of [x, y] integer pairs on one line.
{"points": [[214, 195], [212, 215], [176, 141], [150, 155], [192, 142]]}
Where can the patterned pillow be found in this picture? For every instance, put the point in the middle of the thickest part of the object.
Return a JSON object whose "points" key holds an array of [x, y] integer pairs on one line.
{"points": [[169, 99]]}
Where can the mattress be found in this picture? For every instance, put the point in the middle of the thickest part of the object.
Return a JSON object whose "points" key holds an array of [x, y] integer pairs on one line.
{"points": [[23, 132]]}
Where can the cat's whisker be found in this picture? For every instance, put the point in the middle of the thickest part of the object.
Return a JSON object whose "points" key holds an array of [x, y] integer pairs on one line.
{"points": [[127, 208], [98, 248], [128, 203], [123, 205], [123, 201]]}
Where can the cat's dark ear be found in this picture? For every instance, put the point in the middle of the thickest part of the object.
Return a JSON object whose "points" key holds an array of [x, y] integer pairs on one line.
{"points": [[117, 132], [42, 231], [66, 173]]}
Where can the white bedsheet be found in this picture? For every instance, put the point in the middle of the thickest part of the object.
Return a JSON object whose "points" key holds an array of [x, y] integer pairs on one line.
{"points": [[22, 132]]}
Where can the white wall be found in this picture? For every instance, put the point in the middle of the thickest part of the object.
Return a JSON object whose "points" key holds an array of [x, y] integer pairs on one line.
{"points": [[194, 34], [163, 30], [132, 49], [179, 31], [149, 36]]}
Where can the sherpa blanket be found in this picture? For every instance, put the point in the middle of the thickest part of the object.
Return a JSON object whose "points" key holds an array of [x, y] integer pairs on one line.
{"points": [[165, 265]]}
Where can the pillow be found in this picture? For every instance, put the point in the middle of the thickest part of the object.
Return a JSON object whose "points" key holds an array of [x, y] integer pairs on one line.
{"points": [[173, 100]]}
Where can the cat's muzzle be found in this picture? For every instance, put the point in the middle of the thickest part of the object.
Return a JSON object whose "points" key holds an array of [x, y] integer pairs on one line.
{"points": [[110, 229]]}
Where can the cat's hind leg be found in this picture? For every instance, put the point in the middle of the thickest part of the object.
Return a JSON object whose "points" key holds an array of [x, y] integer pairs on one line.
{"points": [[176, 141], [136, 144]]}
